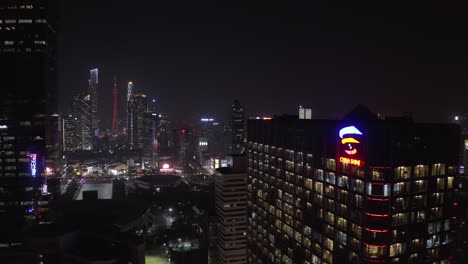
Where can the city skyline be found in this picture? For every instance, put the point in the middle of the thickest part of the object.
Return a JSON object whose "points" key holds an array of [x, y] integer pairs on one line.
{"points": [[329, 58], [161, 132]]}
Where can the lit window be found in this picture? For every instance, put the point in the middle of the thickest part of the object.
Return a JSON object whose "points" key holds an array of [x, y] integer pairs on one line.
{"points": [[449, 182], [378, 189], [357, 185], [401, 188], [438, 169], [343, 181], [25, 21], [421, 171], [434, 227], [420, 186], [400, 219], [374, 251], [403, 172], [308, 184], [328, 243], [341, 237], [440, 183], [434, 241], [357, 200], [357, 230], [419, 216], [377, 175], [8, 43], [397, 249], [319, 187]]}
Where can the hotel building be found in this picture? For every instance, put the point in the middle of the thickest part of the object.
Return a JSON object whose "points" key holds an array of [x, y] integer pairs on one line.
{"points": [[359, 190]]}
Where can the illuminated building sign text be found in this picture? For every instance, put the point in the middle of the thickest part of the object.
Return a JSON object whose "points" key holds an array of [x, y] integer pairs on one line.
{"points": [[351, 161]]}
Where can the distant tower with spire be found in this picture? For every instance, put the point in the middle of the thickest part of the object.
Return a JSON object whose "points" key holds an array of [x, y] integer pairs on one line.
{"points": [[115, 121]]}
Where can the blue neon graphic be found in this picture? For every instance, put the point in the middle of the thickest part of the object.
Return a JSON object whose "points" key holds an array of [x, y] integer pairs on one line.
{"points": [[349, 130]]}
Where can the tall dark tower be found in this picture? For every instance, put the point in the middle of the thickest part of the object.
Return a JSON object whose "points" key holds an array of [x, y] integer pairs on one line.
{"points": [[238, 128], [28, 82], [137, 110], [115, 121], [93, 86]]}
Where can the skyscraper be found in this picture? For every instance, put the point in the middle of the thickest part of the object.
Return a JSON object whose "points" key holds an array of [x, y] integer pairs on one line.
{"points": [[137, 130], [81, 110], [93, 92], [231, 211], [115, 120], [70, 130], [238, 128], [360, 190], [28, 56]]}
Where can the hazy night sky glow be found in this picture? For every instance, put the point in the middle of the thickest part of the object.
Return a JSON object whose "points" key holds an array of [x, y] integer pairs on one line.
{"points": [[196, 58]]}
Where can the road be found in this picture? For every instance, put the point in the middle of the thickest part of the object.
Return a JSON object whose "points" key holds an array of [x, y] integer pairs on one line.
{"points": [[104, 189]]}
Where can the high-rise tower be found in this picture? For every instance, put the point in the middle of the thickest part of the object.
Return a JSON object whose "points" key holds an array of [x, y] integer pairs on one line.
{"points": [[238, 128], [28, 57], [115, 121], [93, 85], [129, 90], [137, 129]]}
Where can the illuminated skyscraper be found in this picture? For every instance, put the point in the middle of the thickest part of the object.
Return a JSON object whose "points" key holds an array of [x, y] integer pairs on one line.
{"points": [[137, 130], [81, 110], [93, 92], [129, 90], [70, 130], [28, 57], [360, 190], [238, 128], [115, 121]]}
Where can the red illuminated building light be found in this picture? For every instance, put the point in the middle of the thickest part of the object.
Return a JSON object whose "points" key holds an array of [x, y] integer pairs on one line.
{"points": [[377, 215], [376, 230], [378, 246], [379, 199], [375, 260]]}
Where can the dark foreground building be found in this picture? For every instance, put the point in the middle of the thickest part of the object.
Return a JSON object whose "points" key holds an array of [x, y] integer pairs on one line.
{"points": [[27, 103], [360, 190]]}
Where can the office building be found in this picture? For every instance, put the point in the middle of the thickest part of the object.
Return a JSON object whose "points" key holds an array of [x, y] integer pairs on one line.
{"points": [[231, 211], [359, 190], [93, 97], [137, 130], [115, 119], [166, 139], [81, 110], [213, 140], [28, 54], [238, 128], [70, 137]]}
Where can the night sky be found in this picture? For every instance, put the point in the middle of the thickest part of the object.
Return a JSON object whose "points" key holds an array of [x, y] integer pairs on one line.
{"points": [[196, 58]]}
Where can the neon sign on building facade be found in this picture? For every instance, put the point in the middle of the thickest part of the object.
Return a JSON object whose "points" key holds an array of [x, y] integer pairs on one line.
{"points": [[33, 164], [350, 145]]}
